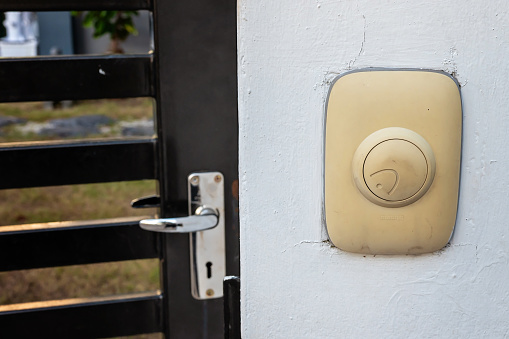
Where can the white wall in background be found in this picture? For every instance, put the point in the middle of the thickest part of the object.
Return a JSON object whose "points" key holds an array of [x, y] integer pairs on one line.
{"points": [[294, 285]]}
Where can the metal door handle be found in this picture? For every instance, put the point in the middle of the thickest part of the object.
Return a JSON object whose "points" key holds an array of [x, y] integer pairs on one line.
{"points": [[205, 218], [205, 202]]}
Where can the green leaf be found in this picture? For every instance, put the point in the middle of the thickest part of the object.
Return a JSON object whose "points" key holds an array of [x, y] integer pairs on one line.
{"points": [[118, 24]]}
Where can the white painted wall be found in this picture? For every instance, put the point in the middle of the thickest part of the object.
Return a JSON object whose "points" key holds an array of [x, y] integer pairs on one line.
{"points": [[294, 285]]}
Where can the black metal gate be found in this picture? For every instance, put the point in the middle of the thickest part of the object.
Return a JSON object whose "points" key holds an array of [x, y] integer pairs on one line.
{"points": [[192, 76]]}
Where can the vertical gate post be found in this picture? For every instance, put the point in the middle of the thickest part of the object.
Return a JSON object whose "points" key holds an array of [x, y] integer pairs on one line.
{"points": [[196, 93]]}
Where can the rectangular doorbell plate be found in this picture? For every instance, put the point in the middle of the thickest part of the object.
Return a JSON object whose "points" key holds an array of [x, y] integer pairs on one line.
{"points": [[392, 160]]}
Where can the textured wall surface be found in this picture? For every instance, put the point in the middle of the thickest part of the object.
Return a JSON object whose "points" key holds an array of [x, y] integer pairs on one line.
{"points": [[294, 285]]}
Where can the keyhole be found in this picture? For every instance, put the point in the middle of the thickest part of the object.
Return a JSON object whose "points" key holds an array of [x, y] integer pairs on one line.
{"points": [[209, 269]]}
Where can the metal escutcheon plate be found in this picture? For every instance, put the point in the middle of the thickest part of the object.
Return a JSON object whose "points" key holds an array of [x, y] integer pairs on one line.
{"points": [[208, 258]]}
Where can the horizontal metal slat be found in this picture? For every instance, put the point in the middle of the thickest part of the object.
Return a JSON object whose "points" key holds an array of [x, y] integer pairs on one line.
{"points": [[36, 164], [84, 317], [75, 243], [74, 5], [75, 78]]}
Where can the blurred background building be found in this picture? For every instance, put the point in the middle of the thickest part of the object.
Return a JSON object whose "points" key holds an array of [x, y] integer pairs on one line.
{"points": [[62, 33]]}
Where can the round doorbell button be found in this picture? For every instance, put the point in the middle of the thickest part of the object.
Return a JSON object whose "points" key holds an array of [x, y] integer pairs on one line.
{"points": [[395, 170], [393, 167]]}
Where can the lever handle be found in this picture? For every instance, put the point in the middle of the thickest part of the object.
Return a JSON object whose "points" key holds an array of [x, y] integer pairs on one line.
{"points": [[205, 205], [204, 219]]}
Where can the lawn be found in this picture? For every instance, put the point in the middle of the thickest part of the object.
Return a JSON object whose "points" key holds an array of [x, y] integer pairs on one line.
{"points": [[34, 112], [78, 202]]}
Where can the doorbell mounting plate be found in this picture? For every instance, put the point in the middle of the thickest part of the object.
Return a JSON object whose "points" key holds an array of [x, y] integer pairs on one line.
{"points": [[392, 160]]}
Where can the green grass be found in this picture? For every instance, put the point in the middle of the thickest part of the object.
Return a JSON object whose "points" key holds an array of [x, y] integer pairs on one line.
{"points": [[117, 109], [78, 202], [121, 109], [79, 281]]}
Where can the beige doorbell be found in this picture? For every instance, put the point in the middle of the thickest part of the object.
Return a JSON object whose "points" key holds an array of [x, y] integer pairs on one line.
{"points": [[392, 160]]}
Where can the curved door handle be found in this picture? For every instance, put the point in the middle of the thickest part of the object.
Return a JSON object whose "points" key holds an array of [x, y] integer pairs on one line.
{"points": [[205, 202], [205, 218]]}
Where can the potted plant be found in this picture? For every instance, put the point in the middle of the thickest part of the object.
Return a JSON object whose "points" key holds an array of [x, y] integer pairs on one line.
{"points": [[118, 24]]}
